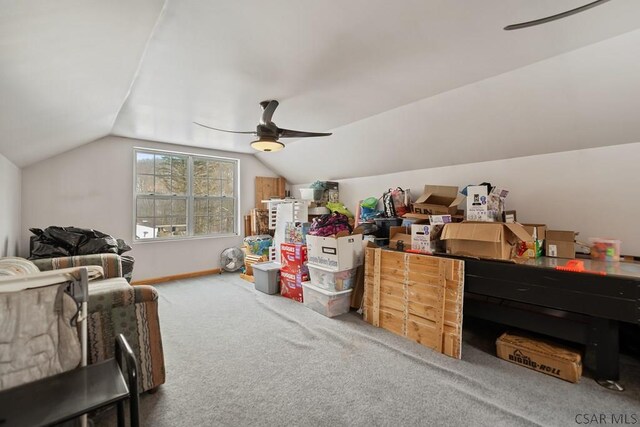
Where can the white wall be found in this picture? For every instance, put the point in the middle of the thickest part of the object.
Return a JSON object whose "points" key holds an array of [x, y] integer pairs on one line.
{"points": [[10, 182], [594, 191], [91, 186]]}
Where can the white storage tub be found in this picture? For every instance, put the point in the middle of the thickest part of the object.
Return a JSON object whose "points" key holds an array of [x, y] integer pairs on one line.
{"points": [[330, 280], [310, 194], [327, 303]]}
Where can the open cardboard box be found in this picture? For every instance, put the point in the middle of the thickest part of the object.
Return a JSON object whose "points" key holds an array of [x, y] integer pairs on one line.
{"points": [[400, 234], [438, 200], [494, 240]]}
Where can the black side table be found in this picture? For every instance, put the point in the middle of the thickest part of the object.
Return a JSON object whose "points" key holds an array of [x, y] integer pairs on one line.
{"points": [[73, 393]]}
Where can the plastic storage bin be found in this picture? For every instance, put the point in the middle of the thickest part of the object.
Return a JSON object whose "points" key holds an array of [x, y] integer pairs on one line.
{"points": [[333, 281], [327, 303], [310, 194], [605, 249], [267, 277]]}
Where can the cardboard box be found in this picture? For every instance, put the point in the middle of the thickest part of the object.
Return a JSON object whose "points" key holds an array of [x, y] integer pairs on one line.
{"points": [[495, 240], [509, 216], [291, 284], [293, 257], [542, 356], [439, 219], [400, 234], [560, 244], [538, 232], [422, 239], [335, 253], [477, 203], [438, 200]]}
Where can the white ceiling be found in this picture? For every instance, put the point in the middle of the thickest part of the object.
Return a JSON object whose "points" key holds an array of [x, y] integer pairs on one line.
{"points": [[66, 71]]}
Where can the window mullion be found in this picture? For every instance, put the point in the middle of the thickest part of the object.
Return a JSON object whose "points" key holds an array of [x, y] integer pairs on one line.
{"points": [[190, 199]]}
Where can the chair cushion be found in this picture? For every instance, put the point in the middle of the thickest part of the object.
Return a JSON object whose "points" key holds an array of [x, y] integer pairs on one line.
{"points": [[14, 266]]}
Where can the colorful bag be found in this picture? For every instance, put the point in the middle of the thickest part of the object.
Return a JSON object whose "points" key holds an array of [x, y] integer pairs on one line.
{"points": [[330, 224], [393, 203]]}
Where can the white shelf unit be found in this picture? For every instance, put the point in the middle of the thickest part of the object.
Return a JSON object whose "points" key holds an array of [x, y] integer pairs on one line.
{"points": [[299, 211]]}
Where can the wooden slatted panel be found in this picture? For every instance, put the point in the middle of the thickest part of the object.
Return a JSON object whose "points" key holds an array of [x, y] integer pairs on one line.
{"points": [[267, 188], [416, 296]]}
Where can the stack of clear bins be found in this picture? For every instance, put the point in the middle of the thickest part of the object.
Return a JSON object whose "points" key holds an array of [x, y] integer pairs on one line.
{"points": [[329, 292]]}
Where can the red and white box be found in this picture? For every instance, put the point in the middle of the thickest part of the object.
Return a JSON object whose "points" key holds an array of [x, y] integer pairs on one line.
{"points": [[293, 257], [291, 284]]}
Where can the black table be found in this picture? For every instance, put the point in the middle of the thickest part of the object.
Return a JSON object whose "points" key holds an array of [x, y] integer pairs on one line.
{"points": [[68, 395], [584, 308]]}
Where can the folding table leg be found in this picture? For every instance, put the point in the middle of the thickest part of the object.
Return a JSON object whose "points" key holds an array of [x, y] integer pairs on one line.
{"points": [[134, 410], [604, 341], [121, 422]]}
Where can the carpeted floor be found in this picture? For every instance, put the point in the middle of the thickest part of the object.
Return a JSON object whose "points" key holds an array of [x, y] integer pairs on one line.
{"points": [[235, 357]]}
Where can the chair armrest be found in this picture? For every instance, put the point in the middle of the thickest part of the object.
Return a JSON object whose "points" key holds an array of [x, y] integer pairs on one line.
{"points": [[111, 263], [117, 292], [115, 307]]}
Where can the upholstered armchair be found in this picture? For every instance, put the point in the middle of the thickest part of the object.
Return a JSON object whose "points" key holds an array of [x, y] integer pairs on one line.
{"points": [[116, 307]]}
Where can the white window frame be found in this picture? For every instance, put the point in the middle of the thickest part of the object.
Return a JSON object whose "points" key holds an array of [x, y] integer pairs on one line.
{"points": [[190, 196]]}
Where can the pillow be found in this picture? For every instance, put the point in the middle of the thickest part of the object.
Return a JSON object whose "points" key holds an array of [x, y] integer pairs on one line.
{"points": [[14, 266]]}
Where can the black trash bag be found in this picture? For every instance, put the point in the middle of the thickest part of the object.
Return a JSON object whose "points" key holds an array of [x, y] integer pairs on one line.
{"points": [[65, 237], [94, 242], [36, 231], [68, 241], [123, 246], [42, 249], [127, 267]]}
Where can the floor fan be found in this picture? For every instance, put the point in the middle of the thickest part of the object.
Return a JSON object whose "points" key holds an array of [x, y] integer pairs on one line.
{"points": [[232, 259]]}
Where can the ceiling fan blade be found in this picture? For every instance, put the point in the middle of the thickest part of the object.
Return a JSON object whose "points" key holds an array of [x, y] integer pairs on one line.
{"points": [[288, 133], [555, 17], [252, 132], [268, 108]]}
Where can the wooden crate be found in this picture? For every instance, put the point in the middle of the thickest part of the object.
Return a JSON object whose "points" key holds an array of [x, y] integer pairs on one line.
{"points": [[416, 296], [249, 260]]}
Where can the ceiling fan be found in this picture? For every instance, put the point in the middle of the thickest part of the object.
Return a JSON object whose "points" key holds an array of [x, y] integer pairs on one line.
{"points": [[555, 17], [267, 131]]}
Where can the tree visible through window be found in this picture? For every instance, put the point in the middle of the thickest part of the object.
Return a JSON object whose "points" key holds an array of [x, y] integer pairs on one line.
{"points": [[183, 195]]}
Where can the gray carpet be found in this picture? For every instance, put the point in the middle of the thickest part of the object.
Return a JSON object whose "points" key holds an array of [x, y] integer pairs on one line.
{"points": [[235, 356]]}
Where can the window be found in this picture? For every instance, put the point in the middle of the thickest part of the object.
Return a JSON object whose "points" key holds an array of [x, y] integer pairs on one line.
{"points": [[181, 195]]}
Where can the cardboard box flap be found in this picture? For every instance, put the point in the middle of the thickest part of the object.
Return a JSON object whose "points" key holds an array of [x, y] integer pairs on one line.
{"points": [[483, 232], [439, 195], [519, 231]]}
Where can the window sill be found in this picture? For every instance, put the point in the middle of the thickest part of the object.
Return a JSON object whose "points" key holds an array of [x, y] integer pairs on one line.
{"points": [[183, 239]]}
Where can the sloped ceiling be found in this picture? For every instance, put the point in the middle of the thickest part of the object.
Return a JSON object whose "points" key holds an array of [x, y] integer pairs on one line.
{"points": [[66, 67], [420, 76]]}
